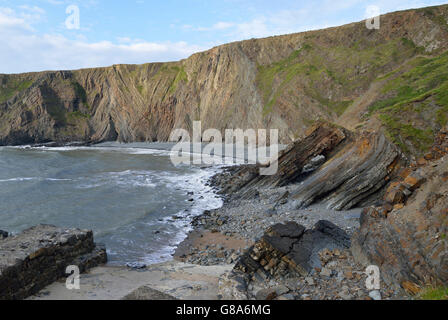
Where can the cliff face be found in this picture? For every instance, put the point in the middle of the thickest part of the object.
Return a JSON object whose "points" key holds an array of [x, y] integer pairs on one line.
{"points": [[348, 74], [406, 236]]}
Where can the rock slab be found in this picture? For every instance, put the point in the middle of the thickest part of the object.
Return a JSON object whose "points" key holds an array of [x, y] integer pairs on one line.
{"points": [[40, 255], [290, 249]]}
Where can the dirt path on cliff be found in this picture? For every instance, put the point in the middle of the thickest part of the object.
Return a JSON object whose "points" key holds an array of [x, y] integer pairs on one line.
{"points": [[180, 280]]}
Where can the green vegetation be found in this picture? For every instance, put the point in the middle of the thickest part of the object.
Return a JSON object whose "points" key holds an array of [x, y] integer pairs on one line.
{"points": [[81, 93], [12, 88], [341, 70], [78, 115], [180, 76], [434, 293], [401, 133], [419, 93], [177, 73], [435, 16], [140, 89], [288, 67]]}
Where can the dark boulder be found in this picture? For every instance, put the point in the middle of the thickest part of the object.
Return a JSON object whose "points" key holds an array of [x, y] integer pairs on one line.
{"points": [[3, 234]]}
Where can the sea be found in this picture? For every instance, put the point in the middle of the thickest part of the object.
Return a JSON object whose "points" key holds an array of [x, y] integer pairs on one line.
{"points": [[136, 201]]}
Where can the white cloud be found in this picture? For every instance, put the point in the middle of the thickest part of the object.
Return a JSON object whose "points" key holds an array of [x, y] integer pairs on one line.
{"points": [[24, 50], [310, 16]]}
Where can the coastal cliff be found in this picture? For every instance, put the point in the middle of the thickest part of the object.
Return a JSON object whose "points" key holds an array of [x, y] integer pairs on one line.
{"points": [[360, 184], [349, 75]]}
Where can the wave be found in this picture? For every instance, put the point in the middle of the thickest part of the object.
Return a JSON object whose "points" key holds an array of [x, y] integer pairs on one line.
{"points": [[205, 198]]}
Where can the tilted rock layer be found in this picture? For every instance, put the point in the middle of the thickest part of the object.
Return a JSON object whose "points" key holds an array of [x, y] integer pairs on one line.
{"points": [[284, 82], [407, 236], [330, 165], [288, 249]]}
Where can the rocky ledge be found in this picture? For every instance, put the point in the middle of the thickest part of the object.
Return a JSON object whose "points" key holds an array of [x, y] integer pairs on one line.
{"points": [[40, 255], [331, 165], [408, 238]]}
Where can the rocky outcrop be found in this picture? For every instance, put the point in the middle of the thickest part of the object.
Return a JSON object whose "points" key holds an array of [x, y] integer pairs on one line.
{"points": [[330, 165], [40, 255], [285, 251], [285, 83], [294, 164], [407, 236], [357, 172], [289, 249]]}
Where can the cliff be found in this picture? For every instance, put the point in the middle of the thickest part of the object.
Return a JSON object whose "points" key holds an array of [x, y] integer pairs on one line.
{"points": [[348, 75]]}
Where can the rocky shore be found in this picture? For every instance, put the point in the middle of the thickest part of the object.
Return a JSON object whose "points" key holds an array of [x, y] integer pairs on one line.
{"points": [[293, 246], [333, 273]]}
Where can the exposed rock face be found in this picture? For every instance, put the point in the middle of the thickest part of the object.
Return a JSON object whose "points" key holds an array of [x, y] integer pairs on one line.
{"points": [[40, 255], [353, 175], [330, 165], [288, 249], [285, 82], [406, 237], [294, 163]]}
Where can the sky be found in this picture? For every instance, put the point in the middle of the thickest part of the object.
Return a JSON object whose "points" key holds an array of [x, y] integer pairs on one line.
{"points": [[71, 34]]}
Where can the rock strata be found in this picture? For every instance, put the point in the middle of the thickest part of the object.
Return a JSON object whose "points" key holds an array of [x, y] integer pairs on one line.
{"points": [[352, 176], [282, 82], [407, 236], [330, 166], [289, 249], [40, 255]]}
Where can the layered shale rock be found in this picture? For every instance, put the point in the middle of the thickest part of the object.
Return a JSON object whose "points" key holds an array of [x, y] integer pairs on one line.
{"points": [[294, 163], [407, 236], [40, 255], [285, 251], [330, 165], [348, 179], [289, 249]]}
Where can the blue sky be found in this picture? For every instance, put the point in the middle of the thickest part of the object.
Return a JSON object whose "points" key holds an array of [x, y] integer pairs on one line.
{"points": [[34, 35]]}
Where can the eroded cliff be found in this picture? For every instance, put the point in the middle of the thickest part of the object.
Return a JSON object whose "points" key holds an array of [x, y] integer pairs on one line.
{"points": [[285, 82]]}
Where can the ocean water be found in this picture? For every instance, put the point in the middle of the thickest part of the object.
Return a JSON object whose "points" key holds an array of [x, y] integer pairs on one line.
{"points": [[134, 199]]}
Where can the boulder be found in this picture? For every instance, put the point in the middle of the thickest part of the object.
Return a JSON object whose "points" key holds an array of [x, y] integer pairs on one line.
{"points": [[40, 255], [414, 180]]}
